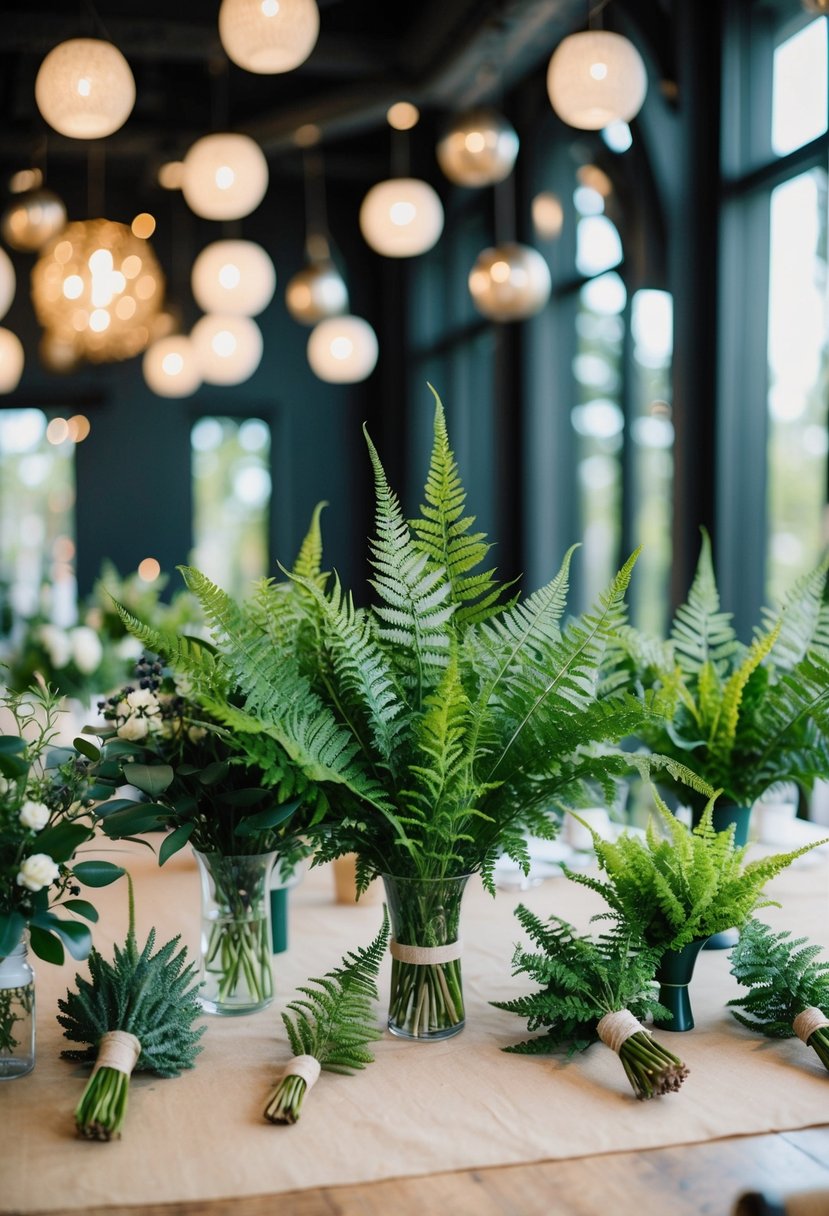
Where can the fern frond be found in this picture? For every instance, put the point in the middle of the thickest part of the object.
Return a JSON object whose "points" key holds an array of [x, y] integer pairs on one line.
{"points": [[701, 633]]}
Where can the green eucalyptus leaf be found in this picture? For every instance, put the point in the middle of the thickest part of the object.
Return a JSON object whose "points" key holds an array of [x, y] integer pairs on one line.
{"points": [[175, 841], [13, 766], [12, 745], [62, 839], [97, 873], [264, 820], [12, 925], [140, 817], [46, 945], [75, 936], [214, 772], [242, 798], [152, 779], [81, 907], [86, 748]]}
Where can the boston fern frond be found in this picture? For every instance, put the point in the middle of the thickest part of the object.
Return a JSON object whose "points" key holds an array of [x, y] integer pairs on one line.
{"points": [[788, 988], [331, 1023], [143, 1004], [591, 990]]}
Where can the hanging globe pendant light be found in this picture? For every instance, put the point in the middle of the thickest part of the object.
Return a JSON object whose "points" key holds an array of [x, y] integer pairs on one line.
{"points": [[268, 36], [510, 282], [171, 367], [236, 278], [225, 176], [479, 148], [595, 78], [401, 217], [32, 219], [316, 292], [342, 350], [8, 283], [11, 361], [229, 349], [85, 89]]}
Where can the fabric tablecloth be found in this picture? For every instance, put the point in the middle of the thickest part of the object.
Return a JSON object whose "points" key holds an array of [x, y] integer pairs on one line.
{"points": [[421, 1107]]}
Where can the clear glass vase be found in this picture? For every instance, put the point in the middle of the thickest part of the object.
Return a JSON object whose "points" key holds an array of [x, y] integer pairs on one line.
{"points": [[426, 1000], [17, 1014], [236, 951]]}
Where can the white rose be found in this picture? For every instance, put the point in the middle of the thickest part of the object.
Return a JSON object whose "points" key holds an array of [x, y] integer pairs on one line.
{"points": [[87, 650], [142, 699], [34, 815], [133, 729], [57, 645], [37, 872]]}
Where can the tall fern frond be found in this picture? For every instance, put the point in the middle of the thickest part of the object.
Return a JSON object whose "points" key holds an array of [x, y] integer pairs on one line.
{"points": [[308, 563], [701, 633], [799, 617]]}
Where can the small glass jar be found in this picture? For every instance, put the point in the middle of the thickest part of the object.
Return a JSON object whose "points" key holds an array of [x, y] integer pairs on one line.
{"points": [[17, 1014]]}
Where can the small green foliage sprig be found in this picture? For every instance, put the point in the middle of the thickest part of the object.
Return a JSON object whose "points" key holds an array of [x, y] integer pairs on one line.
{"points": [[332, 1022], [677, 885], [784, 978], [583, 980], [142, 994]]}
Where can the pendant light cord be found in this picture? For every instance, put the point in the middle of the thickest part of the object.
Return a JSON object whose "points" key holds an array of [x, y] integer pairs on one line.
{"points": [[316, 219]]}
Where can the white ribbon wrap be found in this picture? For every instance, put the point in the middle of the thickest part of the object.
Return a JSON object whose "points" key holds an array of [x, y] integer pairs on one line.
{"points": [[118, 1049], [808, 1021], [615, 1028], [426, 956], [307, 1067]]}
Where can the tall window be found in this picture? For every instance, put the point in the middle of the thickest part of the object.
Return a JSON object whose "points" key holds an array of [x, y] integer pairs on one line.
{"points": [[37, 522], [231, 499]]}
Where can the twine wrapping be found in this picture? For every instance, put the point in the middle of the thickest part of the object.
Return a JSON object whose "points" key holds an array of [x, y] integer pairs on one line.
{"points": [[118, 1049], [808, 1021], [616, 1028], [426, 956], [306, 1067]]}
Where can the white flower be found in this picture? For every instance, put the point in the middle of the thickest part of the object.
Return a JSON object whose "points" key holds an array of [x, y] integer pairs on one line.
{"points": [[129, 648], [57, 645], [37, 872], [34, 815], [87, 650], [142, 699], [133, 729]]}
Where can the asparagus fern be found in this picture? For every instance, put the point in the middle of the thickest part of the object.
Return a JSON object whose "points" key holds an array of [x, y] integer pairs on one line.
{"points": [[582, 982], [784, 978], [332, 1022]]}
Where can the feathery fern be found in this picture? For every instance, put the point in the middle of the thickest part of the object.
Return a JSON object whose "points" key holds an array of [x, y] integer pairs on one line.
{"points": [[582, 981], [332, 1022], [784, 978], [150, 996]]}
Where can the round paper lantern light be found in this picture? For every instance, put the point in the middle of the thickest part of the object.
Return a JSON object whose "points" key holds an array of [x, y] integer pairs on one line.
{"points": [[479, 149], [85, 89], [510, 282], [32, 219], [315, 293], [342, 350], [235, 278], [402, 217], [224, 177], [8, 282], [171, 367], [229, 349], [11, 361], [99, 288], [595, 78], [268, 36]]}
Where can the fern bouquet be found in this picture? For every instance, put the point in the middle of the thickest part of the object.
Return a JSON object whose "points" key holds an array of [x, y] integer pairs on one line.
{"points": [[788, 987], [677, 887], [592, 990], [136, 1012], [428, 732], [744, 717], [330, 1027]]}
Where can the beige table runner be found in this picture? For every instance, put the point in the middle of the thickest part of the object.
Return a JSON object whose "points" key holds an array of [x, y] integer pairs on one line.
{"points": [[421, 1108]]}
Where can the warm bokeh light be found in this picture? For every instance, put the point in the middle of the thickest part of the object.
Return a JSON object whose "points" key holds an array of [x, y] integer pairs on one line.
{"points": [[149, 570], [143, 226], [57, 431], [171, 175], [403, 116], [78, 428]]}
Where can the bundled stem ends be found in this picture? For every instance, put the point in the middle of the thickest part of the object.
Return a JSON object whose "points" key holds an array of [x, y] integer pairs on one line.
{"points": [[651, 1069]]}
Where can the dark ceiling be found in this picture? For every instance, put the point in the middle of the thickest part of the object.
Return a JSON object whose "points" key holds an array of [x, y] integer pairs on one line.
{"points": [[442, 54]]}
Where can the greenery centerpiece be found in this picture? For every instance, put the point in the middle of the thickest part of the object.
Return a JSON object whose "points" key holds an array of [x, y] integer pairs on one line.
{"points": [[428, 732], [676, 887], [136, 1012], [204, 789], [744, 717], [593, 990], [44, 821], [788, 988], [329, 1025]]}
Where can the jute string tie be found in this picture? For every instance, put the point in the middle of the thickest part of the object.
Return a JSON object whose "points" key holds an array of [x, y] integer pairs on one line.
{"points": [[118, 1049], [616, 1028], [808, 1021], [426, 956], [306, 1067]]}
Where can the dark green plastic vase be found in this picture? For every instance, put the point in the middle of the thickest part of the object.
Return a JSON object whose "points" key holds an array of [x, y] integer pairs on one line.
{"points": [[676, 967]]}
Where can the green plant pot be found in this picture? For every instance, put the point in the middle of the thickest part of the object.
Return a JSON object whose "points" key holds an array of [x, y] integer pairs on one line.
{"points": [[279, 919], [674, 973], [724, 816]]}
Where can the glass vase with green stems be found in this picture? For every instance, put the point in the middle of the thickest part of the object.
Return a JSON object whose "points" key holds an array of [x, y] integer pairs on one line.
{"points": [[431, 731], [236, 948]]}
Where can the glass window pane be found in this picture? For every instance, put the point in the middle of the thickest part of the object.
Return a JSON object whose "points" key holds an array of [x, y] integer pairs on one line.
{"points": [[598, 246], [652, 433], [599, 424], [798, 355], [37, 518], [799, 96], [231, 500]]}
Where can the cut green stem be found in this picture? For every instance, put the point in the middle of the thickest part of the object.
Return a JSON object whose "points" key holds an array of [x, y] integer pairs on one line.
{"points": [[102, 1109], [651, 1069], [285, 1103]]}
